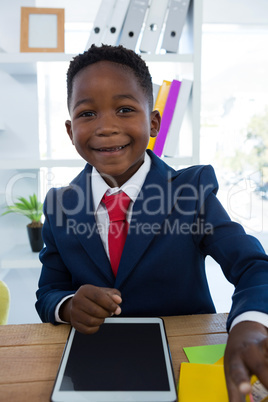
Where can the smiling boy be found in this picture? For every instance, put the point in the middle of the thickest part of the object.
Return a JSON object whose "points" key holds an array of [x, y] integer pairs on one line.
{"points": [[161, 270], [112, 120]]}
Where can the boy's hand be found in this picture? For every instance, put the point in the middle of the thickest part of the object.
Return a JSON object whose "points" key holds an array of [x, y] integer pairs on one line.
{"points": [[90, 305], [246, 354]]}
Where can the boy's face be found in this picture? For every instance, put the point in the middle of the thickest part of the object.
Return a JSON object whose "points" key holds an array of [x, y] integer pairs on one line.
{"points": [[110, 120]]}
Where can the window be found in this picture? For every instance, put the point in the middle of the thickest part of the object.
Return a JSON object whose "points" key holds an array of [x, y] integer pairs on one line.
{"points": [[234, 119]]}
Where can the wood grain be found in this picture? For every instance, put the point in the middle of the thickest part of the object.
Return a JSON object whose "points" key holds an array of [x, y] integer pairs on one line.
{"points": [[30, 354]]}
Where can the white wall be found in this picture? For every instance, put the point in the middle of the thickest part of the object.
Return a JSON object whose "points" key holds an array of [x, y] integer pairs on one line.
{"points": [[19, 139], [10, 24], [235, 11], [75, 10]]}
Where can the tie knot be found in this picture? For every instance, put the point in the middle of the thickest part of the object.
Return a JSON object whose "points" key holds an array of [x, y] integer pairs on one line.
{"points": [[117, 206]]}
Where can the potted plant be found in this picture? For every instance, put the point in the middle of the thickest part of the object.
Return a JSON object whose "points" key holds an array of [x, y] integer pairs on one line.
{"points": [[32, 209]]}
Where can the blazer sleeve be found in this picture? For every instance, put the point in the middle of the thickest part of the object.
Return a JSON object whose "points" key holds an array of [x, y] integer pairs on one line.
{"points": [[241, 257], [55, 280]]}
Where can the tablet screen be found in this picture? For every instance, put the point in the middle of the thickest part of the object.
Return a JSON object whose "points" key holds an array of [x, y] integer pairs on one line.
{"points": [[126, 356]]}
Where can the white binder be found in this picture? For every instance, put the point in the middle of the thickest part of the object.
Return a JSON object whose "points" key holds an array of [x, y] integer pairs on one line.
{"points": [[153, 25], [175, 21], [100, 23], [172, 139], [116, 21], [133, 23], [156, 88]]}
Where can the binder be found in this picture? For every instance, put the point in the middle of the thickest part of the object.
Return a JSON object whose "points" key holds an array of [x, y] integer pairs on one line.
{"points": [[167, 117], [156, 88], [100, 23], [160, 105], [175, 21], [116, 20], [133, 23], [153, 25], [175, 126]]}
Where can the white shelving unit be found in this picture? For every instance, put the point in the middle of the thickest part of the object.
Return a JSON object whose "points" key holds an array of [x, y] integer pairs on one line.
{"points": [[20, 257], [25, 63], [25, 164], [15, 65]]}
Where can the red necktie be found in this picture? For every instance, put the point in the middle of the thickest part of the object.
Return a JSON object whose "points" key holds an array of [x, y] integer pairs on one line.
{"points": [[117, 206]]}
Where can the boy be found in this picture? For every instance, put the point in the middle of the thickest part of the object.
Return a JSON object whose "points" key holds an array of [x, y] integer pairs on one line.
{"points": [[173, 220]]}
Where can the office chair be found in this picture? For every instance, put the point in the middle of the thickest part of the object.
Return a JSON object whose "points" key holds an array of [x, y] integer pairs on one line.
{"points": [[4, 302]]}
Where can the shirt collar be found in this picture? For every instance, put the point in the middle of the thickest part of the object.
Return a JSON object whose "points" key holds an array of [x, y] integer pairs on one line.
{"points": [[132, 187]]}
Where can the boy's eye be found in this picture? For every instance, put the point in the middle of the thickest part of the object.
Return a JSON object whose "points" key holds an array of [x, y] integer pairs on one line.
{"points": [[87, 114], [125, 110]]}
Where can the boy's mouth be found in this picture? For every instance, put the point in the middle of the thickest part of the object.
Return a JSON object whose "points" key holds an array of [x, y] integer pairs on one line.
{"points": [[112, 149]]}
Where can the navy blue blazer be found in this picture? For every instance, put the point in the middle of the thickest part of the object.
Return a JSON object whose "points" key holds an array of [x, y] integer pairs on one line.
{"points": [[177, 221]]}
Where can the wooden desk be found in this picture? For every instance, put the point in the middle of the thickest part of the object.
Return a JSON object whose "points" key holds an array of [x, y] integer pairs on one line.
{"points": [[30, 354]]}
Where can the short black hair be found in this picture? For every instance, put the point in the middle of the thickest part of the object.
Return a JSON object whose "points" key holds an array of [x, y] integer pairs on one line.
{"points": [[117, 54]]}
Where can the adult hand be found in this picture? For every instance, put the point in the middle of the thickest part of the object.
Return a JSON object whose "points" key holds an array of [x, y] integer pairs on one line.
{"points": [[246, 354], [89, 307]]}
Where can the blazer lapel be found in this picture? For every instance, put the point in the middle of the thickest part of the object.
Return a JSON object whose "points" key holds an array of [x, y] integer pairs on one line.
{"points": [[86, 227]]}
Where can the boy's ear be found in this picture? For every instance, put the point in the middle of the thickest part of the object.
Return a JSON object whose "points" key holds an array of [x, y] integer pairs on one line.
{"points": [[68, 126], [155, 123]]}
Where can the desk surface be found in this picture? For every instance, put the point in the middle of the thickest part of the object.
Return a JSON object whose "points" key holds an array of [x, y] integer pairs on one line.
{"points": [[30, 354]]}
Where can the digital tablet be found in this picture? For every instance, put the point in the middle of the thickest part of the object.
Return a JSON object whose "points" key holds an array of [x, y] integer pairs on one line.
{"points": [[128, 359]]}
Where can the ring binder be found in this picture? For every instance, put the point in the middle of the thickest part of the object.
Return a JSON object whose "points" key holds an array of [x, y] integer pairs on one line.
{"points": [[100, 23], [153, 25], [133, 23], [113, 31], [175, 21]]}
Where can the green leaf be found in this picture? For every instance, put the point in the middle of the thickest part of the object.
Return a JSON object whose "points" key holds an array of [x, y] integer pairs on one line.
{"points": [[32, 208], [25, 202]]}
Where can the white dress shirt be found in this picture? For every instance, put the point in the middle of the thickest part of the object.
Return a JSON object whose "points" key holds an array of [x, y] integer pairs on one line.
{"points": [[132, 188]]}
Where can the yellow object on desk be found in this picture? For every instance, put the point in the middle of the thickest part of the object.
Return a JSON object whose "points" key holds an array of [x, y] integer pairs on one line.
{"points": [[202, 383]]}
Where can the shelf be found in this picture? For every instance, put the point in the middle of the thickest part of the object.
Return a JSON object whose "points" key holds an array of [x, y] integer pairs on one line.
{"points": [[25, 63], [168, 57], [20, 257], [21, 164]]}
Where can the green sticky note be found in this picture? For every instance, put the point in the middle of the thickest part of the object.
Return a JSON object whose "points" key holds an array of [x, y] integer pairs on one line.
{"points": [[207, 354]]}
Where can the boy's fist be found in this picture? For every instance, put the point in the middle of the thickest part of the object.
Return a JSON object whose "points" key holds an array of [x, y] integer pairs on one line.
{"points": [[89, 307]]}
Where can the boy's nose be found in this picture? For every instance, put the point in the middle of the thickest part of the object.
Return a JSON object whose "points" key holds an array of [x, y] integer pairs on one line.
{"points": [[107, 126]]}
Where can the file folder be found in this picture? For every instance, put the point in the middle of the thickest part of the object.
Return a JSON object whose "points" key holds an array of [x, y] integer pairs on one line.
{"points": [[153, 25], [100, 23], [116, 20], [133, 23], [175, 21], [176, 123], [167, 117], [160, 105]]}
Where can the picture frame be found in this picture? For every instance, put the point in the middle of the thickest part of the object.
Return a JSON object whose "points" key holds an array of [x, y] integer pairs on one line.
{"points": [[42, 29]]}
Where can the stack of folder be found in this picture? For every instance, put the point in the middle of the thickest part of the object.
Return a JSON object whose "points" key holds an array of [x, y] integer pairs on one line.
{"points": [[141, 25], [148, 26], [171, 102]]}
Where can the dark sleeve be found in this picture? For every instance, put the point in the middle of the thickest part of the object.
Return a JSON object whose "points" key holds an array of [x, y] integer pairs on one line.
{"points": [[241, 257], [55, 280]]}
